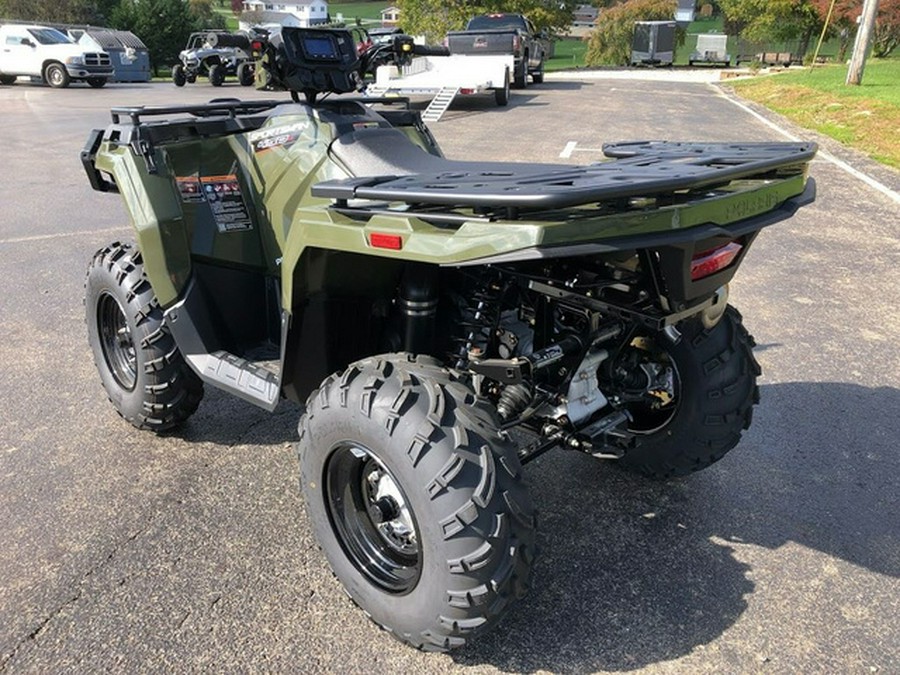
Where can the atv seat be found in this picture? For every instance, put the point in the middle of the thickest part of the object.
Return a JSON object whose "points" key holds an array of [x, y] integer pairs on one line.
{"points": [[380, 151]]}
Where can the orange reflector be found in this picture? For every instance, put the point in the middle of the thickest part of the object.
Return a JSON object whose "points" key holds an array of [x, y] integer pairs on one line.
{"points": [[394, 242], [709, 262]]}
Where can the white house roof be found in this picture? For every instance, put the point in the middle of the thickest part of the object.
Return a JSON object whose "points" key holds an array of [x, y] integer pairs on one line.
{"points": [[287, 5]]}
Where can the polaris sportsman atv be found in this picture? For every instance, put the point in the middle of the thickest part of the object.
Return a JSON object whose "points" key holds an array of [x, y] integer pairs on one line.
{"points": [[445, 321]]}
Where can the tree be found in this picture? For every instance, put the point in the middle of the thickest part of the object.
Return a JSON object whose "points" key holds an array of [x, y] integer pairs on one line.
{"points": [[842, 24], [163, 25], [610, 42], [802, 20], [887, 28], [778, 20], [205, 15], [57, 11], [434, 18]]}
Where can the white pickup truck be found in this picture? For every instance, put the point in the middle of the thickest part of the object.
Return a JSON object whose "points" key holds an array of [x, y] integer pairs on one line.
{"points": [[39, 51]]}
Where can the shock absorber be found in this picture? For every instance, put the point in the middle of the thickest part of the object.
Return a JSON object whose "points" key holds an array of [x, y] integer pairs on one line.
{"points": [[418, 305], [480, 318]]}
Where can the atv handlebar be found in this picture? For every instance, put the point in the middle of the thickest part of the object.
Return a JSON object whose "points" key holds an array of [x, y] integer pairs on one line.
{"points": [[316, 61]]}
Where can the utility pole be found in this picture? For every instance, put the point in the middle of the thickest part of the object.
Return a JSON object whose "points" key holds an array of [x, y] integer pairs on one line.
{"points": [[863, 38]]}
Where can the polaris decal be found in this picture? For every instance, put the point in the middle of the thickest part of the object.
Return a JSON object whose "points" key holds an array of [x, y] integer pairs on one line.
{"points": [[276, 137]]}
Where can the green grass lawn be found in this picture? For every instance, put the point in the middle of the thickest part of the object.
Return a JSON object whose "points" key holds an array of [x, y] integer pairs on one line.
{"points": [[231, 22], [866, 117], [569, 54], [367, 11]]}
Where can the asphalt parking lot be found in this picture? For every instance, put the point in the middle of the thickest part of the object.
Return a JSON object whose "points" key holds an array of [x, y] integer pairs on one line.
{"points": [[129, 552]]}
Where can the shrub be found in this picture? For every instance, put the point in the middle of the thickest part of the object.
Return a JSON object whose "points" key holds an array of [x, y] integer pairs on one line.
{"points": [[610, 42]]}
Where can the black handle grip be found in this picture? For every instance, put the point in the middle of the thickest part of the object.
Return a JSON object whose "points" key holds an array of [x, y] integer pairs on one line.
{"points": [[431, 50]]}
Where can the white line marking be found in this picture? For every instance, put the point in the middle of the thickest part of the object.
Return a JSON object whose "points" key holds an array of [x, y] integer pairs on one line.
{"points": [[568, 150], [41, 237], [824, 154]]}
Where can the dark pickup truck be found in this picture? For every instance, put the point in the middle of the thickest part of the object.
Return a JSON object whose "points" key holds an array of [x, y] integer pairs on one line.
{"points": [[504, 34]]}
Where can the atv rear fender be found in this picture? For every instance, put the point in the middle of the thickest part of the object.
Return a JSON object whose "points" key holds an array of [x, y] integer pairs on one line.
{"points": [[313, 248]]}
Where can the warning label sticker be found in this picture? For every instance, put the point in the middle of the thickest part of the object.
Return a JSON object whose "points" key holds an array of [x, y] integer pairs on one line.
{"points": [[189, 187], [223, 194]]}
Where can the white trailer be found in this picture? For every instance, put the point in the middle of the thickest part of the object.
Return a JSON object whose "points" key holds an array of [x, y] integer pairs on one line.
{"points": [[446, 77], [711, 48]]}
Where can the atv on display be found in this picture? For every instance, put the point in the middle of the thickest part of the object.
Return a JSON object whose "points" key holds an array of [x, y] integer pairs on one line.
{"points": [[216, 55], [445, 321]]}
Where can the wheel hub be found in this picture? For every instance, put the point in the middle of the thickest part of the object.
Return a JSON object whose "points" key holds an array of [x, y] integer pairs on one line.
{"points": [[117, 342], [389, 512], [372, 518]]}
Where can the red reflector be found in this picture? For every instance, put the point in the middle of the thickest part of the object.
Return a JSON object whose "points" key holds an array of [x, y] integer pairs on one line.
{"points": [[715, 260], [393, 242], [466, 92], [256, 46]]}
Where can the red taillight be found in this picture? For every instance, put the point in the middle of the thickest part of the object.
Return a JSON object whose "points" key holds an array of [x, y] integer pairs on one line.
{"points": [[394, 242], [709, 262], [466, 92], [256, 46], [516, 43]]}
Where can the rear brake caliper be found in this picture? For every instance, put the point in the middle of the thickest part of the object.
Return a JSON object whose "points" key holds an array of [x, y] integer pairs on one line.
{"points": [[644, 373]]}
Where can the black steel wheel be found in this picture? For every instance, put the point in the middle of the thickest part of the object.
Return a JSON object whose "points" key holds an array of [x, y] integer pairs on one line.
{"points": [[57, 76], [97, 82], [698, 395], [178, 75], [416, 499], [145, 376], [116, 341], [538, 75], [7, 79], [372, 518]]}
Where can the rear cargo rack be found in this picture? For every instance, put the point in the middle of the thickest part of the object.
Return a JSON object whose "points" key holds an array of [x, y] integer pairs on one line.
{"points": [[639, 169]]}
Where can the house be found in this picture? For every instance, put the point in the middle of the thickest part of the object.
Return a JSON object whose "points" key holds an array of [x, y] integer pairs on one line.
{"points": [[266, 18], [585, 16], [302, 14], [684, 14], [390, 16]]}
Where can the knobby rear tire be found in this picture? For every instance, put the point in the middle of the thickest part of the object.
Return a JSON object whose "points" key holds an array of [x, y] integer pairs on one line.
{"points": [[717, 373], [463, 483]]}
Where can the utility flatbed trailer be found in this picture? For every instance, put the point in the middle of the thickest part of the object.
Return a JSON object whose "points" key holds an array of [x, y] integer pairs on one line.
{"points": [[445, 77]]}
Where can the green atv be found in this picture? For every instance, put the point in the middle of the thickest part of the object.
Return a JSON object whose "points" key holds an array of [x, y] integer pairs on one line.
{"points": [[444, 321]]}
